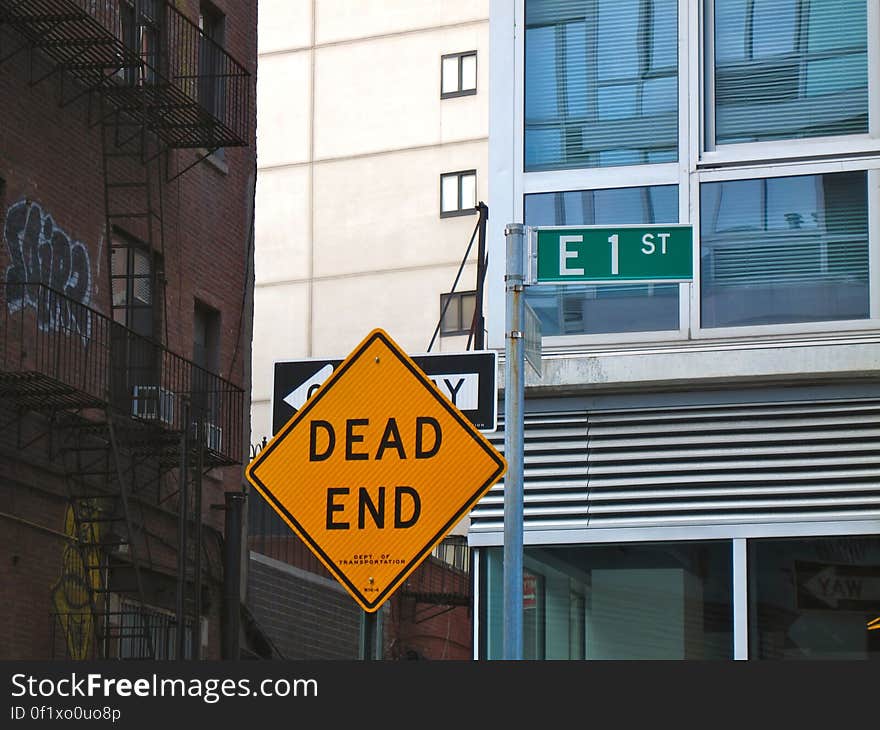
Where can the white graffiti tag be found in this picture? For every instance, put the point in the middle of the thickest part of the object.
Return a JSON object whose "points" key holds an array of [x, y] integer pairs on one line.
{"points": [[42, 253]]}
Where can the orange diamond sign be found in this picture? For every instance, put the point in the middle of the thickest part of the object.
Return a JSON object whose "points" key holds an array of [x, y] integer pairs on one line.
{"points": [[375, 469]]}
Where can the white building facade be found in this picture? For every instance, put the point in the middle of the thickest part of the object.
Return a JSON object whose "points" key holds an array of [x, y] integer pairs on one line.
{"points": [[372, 155], [701, 458]]}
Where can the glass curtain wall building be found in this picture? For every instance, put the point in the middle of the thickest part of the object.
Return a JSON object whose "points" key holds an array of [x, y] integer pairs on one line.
{"points": [[701, 459]]}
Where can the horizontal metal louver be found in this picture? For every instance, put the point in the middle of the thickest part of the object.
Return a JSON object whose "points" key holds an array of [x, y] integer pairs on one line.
{"points": [[696, 465]]}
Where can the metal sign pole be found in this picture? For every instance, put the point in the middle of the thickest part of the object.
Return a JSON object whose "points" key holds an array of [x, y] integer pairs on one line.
{"points": [[514, 395], [368, 636]]}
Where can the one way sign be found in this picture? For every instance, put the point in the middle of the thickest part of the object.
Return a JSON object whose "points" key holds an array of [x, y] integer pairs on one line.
{"points": [[468, 379]]}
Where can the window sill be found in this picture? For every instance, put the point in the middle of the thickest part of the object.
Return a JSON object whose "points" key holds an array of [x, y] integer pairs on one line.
{"points": [[456, 94], [457, 213]]}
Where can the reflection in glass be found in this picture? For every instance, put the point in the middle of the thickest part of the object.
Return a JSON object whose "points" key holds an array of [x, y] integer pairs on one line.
{"points": [[788, 69], [787, 249], [814, 599], [571, 309], [601, 83], [628, 601]]}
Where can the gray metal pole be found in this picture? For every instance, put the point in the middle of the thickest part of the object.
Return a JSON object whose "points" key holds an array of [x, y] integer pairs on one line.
{"points": [[369, 626], [514, 396], [232, 575]]}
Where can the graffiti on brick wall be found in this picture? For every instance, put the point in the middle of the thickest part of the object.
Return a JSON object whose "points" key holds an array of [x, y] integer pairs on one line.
{"points": [[70, 595], [43, 253]]}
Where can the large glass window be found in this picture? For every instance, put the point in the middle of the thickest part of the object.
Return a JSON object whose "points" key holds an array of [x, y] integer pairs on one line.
{"points": [[625, 601], [814, 599], [601, 83], [784, 249], [787, 69], [571, 309]]}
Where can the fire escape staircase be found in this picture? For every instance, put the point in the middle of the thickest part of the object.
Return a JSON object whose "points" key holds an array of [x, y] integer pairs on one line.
{"points": [[154, 82], [125, 455]]}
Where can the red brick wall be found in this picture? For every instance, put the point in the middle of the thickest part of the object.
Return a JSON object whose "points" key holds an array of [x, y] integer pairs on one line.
{"points": [[51, 157]]}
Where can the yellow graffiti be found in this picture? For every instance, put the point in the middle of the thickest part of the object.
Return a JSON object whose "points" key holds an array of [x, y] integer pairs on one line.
{"points": [[874, 624], [71, 594]]}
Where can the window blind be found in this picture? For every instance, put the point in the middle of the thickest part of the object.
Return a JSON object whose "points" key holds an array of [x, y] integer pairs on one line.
{"points": [[601, 82], [788, 69]]}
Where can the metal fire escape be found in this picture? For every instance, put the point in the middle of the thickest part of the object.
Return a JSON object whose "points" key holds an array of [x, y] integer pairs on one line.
{"points": [[132, 425]]}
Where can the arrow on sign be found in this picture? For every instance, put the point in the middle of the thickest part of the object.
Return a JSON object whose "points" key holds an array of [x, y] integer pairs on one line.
{"points": [[831, 586], [298, 396], [467, 379], [460, 388]]}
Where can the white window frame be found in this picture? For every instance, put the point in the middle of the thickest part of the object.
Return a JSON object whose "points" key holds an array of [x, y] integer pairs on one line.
{"points": [[696, 165], [604, 178], [782, 150], [738, 534], [872, 167]]}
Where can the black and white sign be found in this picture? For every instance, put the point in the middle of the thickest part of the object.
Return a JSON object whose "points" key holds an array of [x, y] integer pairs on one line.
{"points": [[468, 379], [838, 587]]}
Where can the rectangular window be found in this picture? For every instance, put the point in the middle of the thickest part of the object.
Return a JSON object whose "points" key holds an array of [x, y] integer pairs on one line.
{"points": [[601, 83], [786, 69], [133, 284], [212, 79], [458, 193], [458, 74], [135, 355], [784, 249], [457, 312], [619, 602], [205, 400], [814, 598], [571, 309], [141, 26]]}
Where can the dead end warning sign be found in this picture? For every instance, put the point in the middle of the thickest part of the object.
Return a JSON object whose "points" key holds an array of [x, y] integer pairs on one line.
{"points": [[375, 469]]}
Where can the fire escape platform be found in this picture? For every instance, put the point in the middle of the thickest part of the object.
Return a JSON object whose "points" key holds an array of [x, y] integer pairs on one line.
{"points": [[68, 34], [176, 118], [88, 361], [187, 90], [39, 392]]}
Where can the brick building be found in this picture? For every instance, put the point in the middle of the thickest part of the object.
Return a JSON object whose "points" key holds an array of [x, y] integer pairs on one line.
{"points": [[127, 173]]}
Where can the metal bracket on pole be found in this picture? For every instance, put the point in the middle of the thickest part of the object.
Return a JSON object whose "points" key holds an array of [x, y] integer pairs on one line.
{"points": [[514, 396]]}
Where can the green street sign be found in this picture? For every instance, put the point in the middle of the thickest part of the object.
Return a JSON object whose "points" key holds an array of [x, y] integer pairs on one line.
{"points": [[603, 254]]}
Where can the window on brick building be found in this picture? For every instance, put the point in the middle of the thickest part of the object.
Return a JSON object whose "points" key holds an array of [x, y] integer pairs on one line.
{"points": [[212, 81], [133, 282], [136, 357], [205, 400], [141, 27]]}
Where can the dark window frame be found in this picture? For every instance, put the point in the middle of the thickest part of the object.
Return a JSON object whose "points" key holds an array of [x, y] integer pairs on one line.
{"points": [[460, 90], [212, 84], [124, 313], [464, 328], [458, 210], [142, 26]]}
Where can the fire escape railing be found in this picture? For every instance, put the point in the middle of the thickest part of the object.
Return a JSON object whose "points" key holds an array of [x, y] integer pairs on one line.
{"points": [[148, 59], [57, 353]]}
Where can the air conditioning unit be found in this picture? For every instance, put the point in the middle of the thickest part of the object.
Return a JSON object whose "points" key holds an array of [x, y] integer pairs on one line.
{"points": [[212, 435], [152, 403]]}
